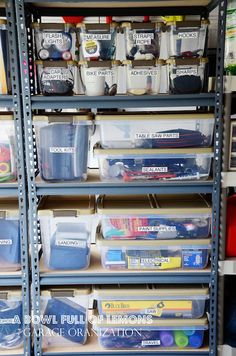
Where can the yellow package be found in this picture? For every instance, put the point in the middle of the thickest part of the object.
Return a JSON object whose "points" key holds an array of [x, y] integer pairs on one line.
{"points": [[149, 262]]}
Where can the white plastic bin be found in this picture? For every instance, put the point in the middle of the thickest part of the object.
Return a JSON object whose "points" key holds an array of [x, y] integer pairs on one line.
{"points": [[154, 255], [154, 130], [156, 300], [154, 164], [66, 226], [8, 170], [64, 316], [154, 217]]}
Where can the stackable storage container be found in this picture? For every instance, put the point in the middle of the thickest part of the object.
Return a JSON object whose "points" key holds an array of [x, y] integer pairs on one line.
{"points": [[166, 333], [143, 77], [8, 171], [187, 38], [142, 40], [57, 77], [186, 76], [54, 41], [154, 255], [154, 164], [11, 311], [64, 316], [10, 243], [154, 217], [97, 41], [5, 85], [153, 130], [158, 301], [99, 77], [62, 146], [66, 225]]}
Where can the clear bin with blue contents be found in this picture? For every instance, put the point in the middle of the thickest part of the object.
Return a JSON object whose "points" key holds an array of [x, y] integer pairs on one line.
{"points": [[187, 38], [62, 145], [127, 165], [11, 311], [155, 130], [8, 169], [154, 254], [152, 217], [66, 228], [10, 241], [150, 334], [156, 300], [64, 316]]}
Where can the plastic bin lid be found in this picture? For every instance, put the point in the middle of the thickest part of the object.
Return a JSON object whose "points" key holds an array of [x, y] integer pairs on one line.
{"points": [[99, 64], [52, 26], [6, 116], [67, 206], [97, 26], [149, 290], [189, 23], [7, 293], [9, 207], [52, 64], [144, 63], [112, 204], [63, 117], [67, 292], [187, 61], [142, 25], [153, 116]]}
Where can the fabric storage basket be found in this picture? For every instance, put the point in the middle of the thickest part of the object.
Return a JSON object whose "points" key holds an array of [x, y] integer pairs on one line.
{"points": [[142, 40], [97, 41], [187, 38], [10, 242], [143, 77], [153, 130], [8, 170], [64, 316], [171, 333], [66, 225], [11, 318], [154, 255], [54, 41], [5, 85], [158, 301], [154, 164], [186, 76], [99, 77], [62, 145], [154, 217], [57, 77]]}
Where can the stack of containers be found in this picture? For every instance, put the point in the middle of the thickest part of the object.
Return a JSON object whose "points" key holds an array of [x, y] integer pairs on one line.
{"points": [[151, 316]]}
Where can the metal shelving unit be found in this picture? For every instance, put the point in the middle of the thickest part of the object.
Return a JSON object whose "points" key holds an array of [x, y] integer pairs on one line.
{"points": [[28, 10]]}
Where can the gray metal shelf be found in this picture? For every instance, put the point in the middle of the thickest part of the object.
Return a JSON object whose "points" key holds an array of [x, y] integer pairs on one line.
{"points": [[11, 279], [6, 101], [9, 190]]}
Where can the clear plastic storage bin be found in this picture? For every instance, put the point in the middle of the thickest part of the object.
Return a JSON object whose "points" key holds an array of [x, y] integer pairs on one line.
{"points": [[154, 255], [154, 217], [8, 172], [11, 310], [97, 41], [54, 41], [5, 85], [187, 38], [166, 333], [57, 77], [156, 300], [62, 146], [99, 77], [10, 242], [153, 130], [143, 77], [66, 226], [142, 40], [186, 76], [64, 316], [154, 164]]}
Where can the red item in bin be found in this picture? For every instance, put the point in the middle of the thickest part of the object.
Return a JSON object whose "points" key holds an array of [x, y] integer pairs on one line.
{"points": [[231, 227]]}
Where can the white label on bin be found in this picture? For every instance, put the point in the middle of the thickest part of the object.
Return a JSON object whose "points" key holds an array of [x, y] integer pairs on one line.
{"points": [[9, 320], [71, 243], [97, 36], [98, 73], [143, 38], [151, 343], [51, 38], [56, 74], [144, 72], [156, 135], [62, 149], [6, 242], [187, 71], [156, 228], [187, 35], [154, 169]]}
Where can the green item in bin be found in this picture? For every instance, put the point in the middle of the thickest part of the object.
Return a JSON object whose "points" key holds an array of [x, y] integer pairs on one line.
{"points": [[181, 339]]}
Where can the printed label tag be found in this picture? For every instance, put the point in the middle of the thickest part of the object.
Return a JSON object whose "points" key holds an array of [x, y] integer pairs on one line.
{"points": [[52, 38], [156, 135], [71, 243], [154, 169], [187, 35], [6, 242], [187, 71], [56, 74], [156, 228], [98, 73], [144, 72], [143, 38], [151, 343], [62, 149], [97, 36]]}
